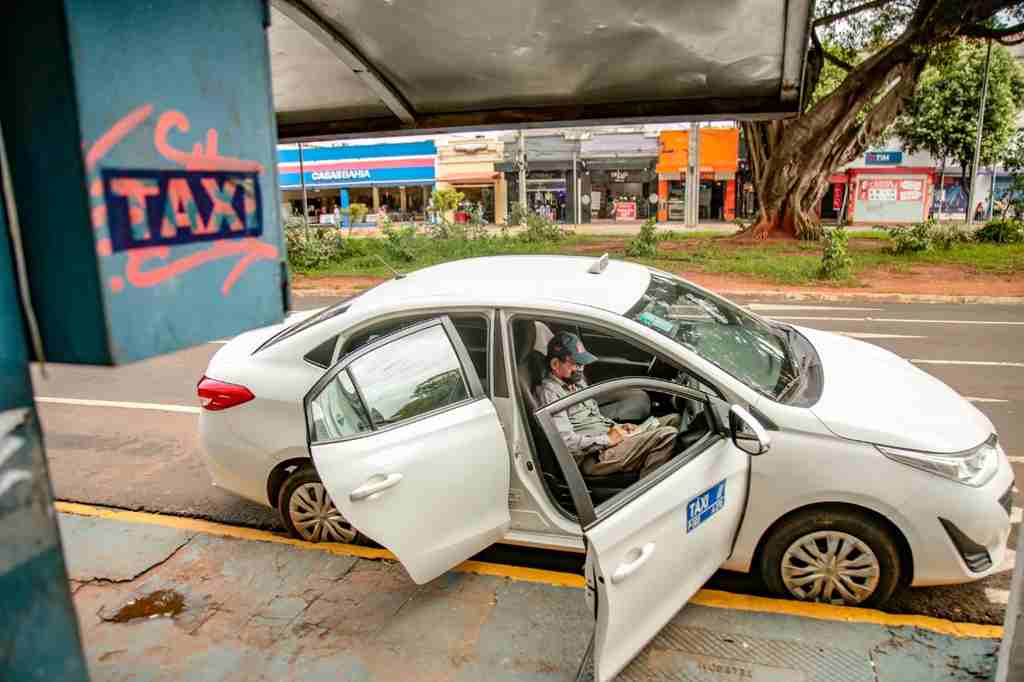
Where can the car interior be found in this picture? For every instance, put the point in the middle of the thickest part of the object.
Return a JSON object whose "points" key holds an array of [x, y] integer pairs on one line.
{"points": [[617, 358]]}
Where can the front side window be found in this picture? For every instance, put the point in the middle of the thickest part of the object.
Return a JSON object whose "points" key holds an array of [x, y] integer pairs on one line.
{"points": [[410, 376], [755, 352]]}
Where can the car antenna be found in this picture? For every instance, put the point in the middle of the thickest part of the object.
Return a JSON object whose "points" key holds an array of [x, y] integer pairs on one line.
{"points": [[396, 273]]}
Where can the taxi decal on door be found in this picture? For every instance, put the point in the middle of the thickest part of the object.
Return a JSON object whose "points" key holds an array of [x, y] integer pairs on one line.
{"points": [[705, 505]]}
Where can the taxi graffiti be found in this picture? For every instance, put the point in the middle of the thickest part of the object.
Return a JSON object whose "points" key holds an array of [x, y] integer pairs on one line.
{"points": [[146, 208]]}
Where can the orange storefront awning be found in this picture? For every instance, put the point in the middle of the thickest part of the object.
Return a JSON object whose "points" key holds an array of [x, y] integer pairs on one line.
{"points": [[719, 150]]}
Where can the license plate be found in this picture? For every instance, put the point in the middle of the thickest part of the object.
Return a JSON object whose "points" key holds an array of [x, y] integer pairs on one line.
{"points": [[705, 505]]}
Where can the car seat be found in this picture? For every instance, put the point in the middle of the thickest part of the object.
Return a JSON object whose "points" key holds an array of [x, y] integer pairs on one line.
{"points": [[530, 368]]}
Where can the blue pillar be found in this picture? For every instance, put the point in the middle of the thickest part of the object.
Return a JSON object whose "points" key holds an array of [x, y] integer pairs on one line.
{"points": [[344, 204], [38, 631]]}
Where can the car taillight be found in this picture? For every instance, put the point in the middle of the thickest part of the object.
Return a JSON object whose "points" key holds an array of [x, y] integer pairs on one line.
{"points": [[220, 395]]}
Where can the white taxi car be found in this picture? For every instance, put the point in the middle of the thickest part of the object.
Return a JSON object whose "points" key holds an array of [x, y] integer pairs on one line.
{"points": [[409, 415]]}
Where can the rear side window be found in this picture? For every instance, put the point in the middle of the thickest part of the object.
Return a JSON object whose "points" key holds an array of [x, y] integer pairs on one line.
{"points": [[337, 412]]}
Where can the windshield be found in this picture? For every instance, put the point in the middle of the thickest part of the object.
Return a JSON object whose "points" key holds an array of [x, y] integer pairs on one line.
{"points": [[755, 352]]}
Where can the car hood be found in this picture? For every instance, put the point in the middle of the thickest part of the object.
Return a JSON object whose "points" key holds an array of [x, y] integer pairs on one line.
{"points": [[876, 396]]}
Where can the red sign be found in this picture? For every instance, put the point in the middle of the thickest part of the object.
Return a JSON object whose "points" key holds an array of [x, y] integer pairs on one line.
{"points": [[878, 189], [625, 210], [837, 197]]}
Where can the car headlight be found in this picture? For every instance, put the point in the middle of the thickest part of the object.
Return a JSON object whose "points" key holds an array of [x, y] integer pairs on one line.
{"points": [[974, 467]]}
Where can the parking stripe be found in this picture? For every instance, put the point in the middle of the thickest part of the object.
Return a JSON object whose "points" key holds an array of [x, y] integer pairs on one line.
{"points": [[705, 597], [1016, 514], [986, 400], [869, 335], [162, 407]]}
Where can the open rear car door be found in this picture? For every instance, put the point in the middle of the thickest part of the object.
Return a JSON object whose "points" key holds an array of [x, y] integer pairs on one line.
{"points": [[410, 448], [652, 546]]}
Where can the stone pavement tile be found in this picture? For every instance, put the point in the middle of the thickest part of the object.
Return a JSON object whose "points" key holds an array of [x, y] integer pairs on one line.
{"points": [[251, 610], [102, 549]]}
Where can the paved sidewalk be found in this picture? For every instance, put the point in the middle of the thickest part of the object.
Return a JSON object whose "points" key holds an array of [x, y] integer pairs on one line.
{"points": [[163, 598]]}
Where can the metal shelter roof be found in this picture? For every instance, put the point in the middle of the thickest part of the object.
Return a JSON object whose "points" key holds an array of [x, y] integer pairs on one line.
{"points": [[359, 68]]}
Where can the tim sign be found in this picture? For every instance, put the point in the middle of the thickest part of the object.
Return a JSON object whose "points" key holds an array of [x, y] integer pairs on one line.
{"points": [[165, 207]]}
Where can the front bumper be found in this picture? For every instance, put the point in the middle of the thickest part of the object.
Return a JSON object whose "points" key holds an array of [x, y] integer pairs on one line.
{"points": [[966, 540]]}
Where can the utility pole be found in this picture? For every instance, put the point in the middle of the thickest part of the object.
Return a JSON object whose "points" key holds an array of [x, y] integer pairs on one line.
{"points": [[575, 192], [977, 140], [521, 163], [305, 201], [693, 176]]}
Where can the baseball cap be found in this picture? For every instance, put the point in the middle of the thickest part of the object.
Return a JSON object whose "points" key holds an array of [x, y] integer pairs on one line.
{"points": [[566, 344]]}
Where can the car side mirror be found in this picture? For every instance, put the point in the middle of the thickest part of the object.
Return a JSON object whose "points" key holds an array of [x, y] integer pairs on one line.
{"points": [[747, 433]]}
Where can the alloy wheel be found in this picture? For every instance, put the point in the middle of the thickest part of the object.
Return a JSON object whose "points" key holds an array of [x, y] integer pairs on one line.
{"points": [[315, 517], [831, 567]]}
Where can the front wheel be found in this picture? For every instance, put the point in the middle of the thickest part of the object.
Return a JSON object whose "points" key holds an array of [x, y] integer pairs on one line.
{"points": [[833, 556], [309, 514]]}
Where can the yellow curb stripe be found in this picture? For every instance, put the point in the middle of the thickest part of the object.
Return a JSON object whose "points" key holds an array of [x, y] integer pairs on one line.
{"points": [[710, 598], [847, 614]]}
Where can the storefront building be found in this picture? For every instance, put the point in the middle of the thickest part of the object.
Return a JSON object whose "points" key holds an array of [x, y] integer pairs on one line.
{"points": [[620, 168], [550, 176], [719, 152], [469, 166], [389, 178], [883, 187]]}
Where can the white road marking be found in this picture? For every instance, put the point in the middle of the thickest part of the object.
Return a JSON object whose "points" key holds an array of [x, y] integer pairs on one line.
{"points": [[869, 335], [220, 341], [784, 306], [895, 319], [984, 363], [986, 400], [1015, 460], [162, 407], [1001, 597], [1015, 514]]}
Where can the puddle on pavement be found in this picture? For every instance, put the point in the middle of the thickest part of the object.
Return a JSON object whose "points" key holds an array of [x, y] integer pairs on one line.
{"points": [[154, 604]]}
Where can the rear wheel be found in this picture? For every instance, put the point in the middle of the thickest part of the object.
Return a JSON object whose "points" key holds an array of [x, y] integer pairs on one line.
{"points": [[835, 556], [309, 514]]}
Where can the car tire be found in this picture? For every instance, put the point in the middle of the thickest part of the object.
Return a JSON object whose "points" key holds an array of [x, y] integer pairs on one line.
{"points": [[308, 513], [872, 558]]}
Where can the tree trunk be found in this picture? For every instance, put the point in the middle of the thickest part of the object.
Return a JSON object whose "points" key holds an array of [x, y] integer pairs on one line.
{"points": [[792, 160]]}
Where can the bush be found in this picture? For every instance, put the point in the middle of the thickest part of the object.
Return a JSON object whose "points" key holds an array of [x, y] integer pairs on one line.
{"points": [[399, 241], [540, 229], [645, 244], [835, 261], [516, 214], [1001, 231], [913, 239], [946, 237], [317, 247], [356, 213]]}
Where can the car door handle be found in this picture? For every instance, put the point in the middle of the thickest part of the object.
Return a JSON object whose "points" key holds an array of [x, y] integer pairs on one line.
{"points": [[368, 489], [630, 567]]}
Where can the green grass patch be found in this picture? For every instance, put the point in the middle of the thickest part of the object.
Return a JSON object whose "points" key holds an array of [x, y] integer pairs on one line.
{"points": [[792, 263]]}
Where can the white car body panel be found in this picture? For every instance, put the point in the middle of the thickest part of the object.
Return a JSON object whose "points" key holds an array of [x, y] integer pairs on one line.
{"points": [[435, 516], [895, 403], [810, 462], [666, 561]]}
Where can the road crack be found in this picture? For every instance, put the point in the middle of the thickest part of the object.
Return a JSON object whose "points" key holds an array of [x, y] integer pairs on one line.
{"points": [[140, 574]]}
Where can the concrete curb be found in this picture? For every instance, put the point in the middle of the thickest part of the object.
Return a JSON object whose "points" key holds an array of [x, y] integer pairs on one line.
{"points": [[822, 296]]}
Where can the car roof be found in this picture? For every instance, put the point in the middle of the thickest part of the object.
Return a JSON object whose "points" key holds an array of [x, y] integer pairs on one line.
{"points": [[518, 280]]}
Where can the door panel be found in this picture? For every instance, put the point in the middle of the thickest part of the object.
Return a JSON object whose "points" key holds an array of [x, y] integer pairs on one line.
{"points": [[410, 449], [652, 546], [451, 499], [655, 553]]}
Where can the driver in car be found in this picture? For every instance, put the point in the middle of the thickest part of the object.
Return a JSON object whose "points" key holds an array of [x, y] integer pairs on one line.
{"points": [[599, 445]]}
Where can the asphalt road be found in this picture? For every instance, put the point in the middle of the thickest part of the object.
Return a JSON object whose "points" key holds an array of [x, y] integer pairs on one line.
{"points": [[149, 459]]}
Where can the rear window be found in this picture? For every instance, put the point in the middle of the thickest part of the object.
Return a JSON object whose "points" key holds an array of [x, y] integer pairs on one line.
{"points": [[338, 308]]}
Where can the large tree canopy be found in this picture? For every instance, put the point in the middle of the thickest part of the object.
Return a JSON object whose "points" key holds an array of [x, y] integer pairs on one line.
{"points": [[942, 117], [882, 47]]}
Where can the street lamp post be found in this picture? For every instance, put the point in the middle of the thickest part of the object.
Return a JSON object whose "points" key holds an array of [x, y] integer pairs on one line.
{"points": [[302, 179], [977, 140]]}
